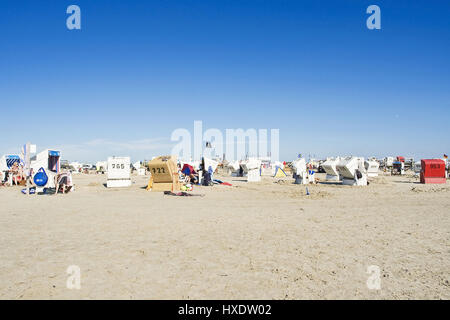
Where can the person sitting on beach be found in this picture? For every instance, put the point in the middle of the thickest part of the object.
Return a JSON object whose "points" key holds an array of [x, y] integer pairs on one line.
{"points": [[63, 182], [192, 177], [17, 173], [190, 173]]}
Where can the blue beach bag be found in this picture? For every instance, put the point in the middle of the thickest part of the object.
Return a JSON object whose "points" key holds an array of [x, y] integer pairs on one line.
{"points": [[40, 178]]}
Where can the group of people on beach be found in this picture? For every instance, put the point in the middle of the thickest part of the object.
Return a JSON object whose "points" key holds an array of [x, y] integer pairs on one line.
{"points": [[192, 176], [16, 176]]}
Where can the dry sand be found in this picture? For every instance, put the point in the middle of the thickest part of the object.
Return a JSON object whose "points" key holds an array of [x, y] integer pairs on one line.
{"points": [[264, 240]]}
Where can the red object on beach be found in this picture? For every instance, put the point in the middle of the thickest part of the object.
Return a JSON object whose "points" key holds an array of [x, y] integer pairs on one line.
{"points": [[433, 171], [400, 158], [188, 169]]}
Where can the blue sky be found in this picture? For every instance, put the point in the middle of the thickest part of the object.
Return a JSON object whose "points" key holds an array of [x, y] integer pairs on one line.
{"points": [[137, 70]]}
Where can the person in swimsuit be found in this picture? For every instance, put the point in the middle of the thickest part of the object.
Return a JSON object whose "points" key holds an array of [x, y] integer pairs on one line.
{"points": [[17, 174]]}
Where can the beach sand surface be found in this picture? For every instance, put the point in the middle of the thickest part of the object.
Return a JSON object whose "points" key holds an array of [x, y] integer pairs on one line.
{"points": [[265, 240]]}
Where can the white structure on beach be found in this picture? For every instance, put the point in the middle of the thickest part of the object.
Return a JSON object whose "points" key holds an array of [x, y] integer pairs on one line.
{"points": [[372, 167], [7, 161], [417, 168], [300, 171], [50, 162], [330, 168], [210, 164], [352, 171], [388, 162], [252, 167], [119, 172], [233, 167]]}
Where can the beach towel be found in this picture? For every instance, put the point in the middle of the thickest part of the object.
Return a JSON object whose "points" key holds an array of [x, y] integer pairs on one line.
{"points": [[32, 191], [217, 181]]}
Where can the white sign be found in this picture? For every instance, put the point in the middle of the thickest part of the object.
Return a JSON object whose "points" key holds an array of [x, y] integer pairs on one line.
{"points": [[119, 168]]}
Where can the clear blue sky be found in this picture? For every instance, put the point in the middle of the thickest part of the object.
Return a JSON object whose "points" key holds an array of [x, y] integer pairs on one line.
{"points": [[137, 70]]}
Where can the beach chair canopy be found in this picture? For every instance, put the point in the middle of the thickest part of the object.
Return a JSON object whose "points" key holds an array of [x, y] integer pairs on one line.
{"points": [[11, 159]]}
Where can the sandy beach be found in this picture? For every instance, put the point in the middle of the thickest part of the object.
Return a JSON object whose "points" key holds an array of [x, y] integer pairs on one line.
{"points": [[265, 240]]}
